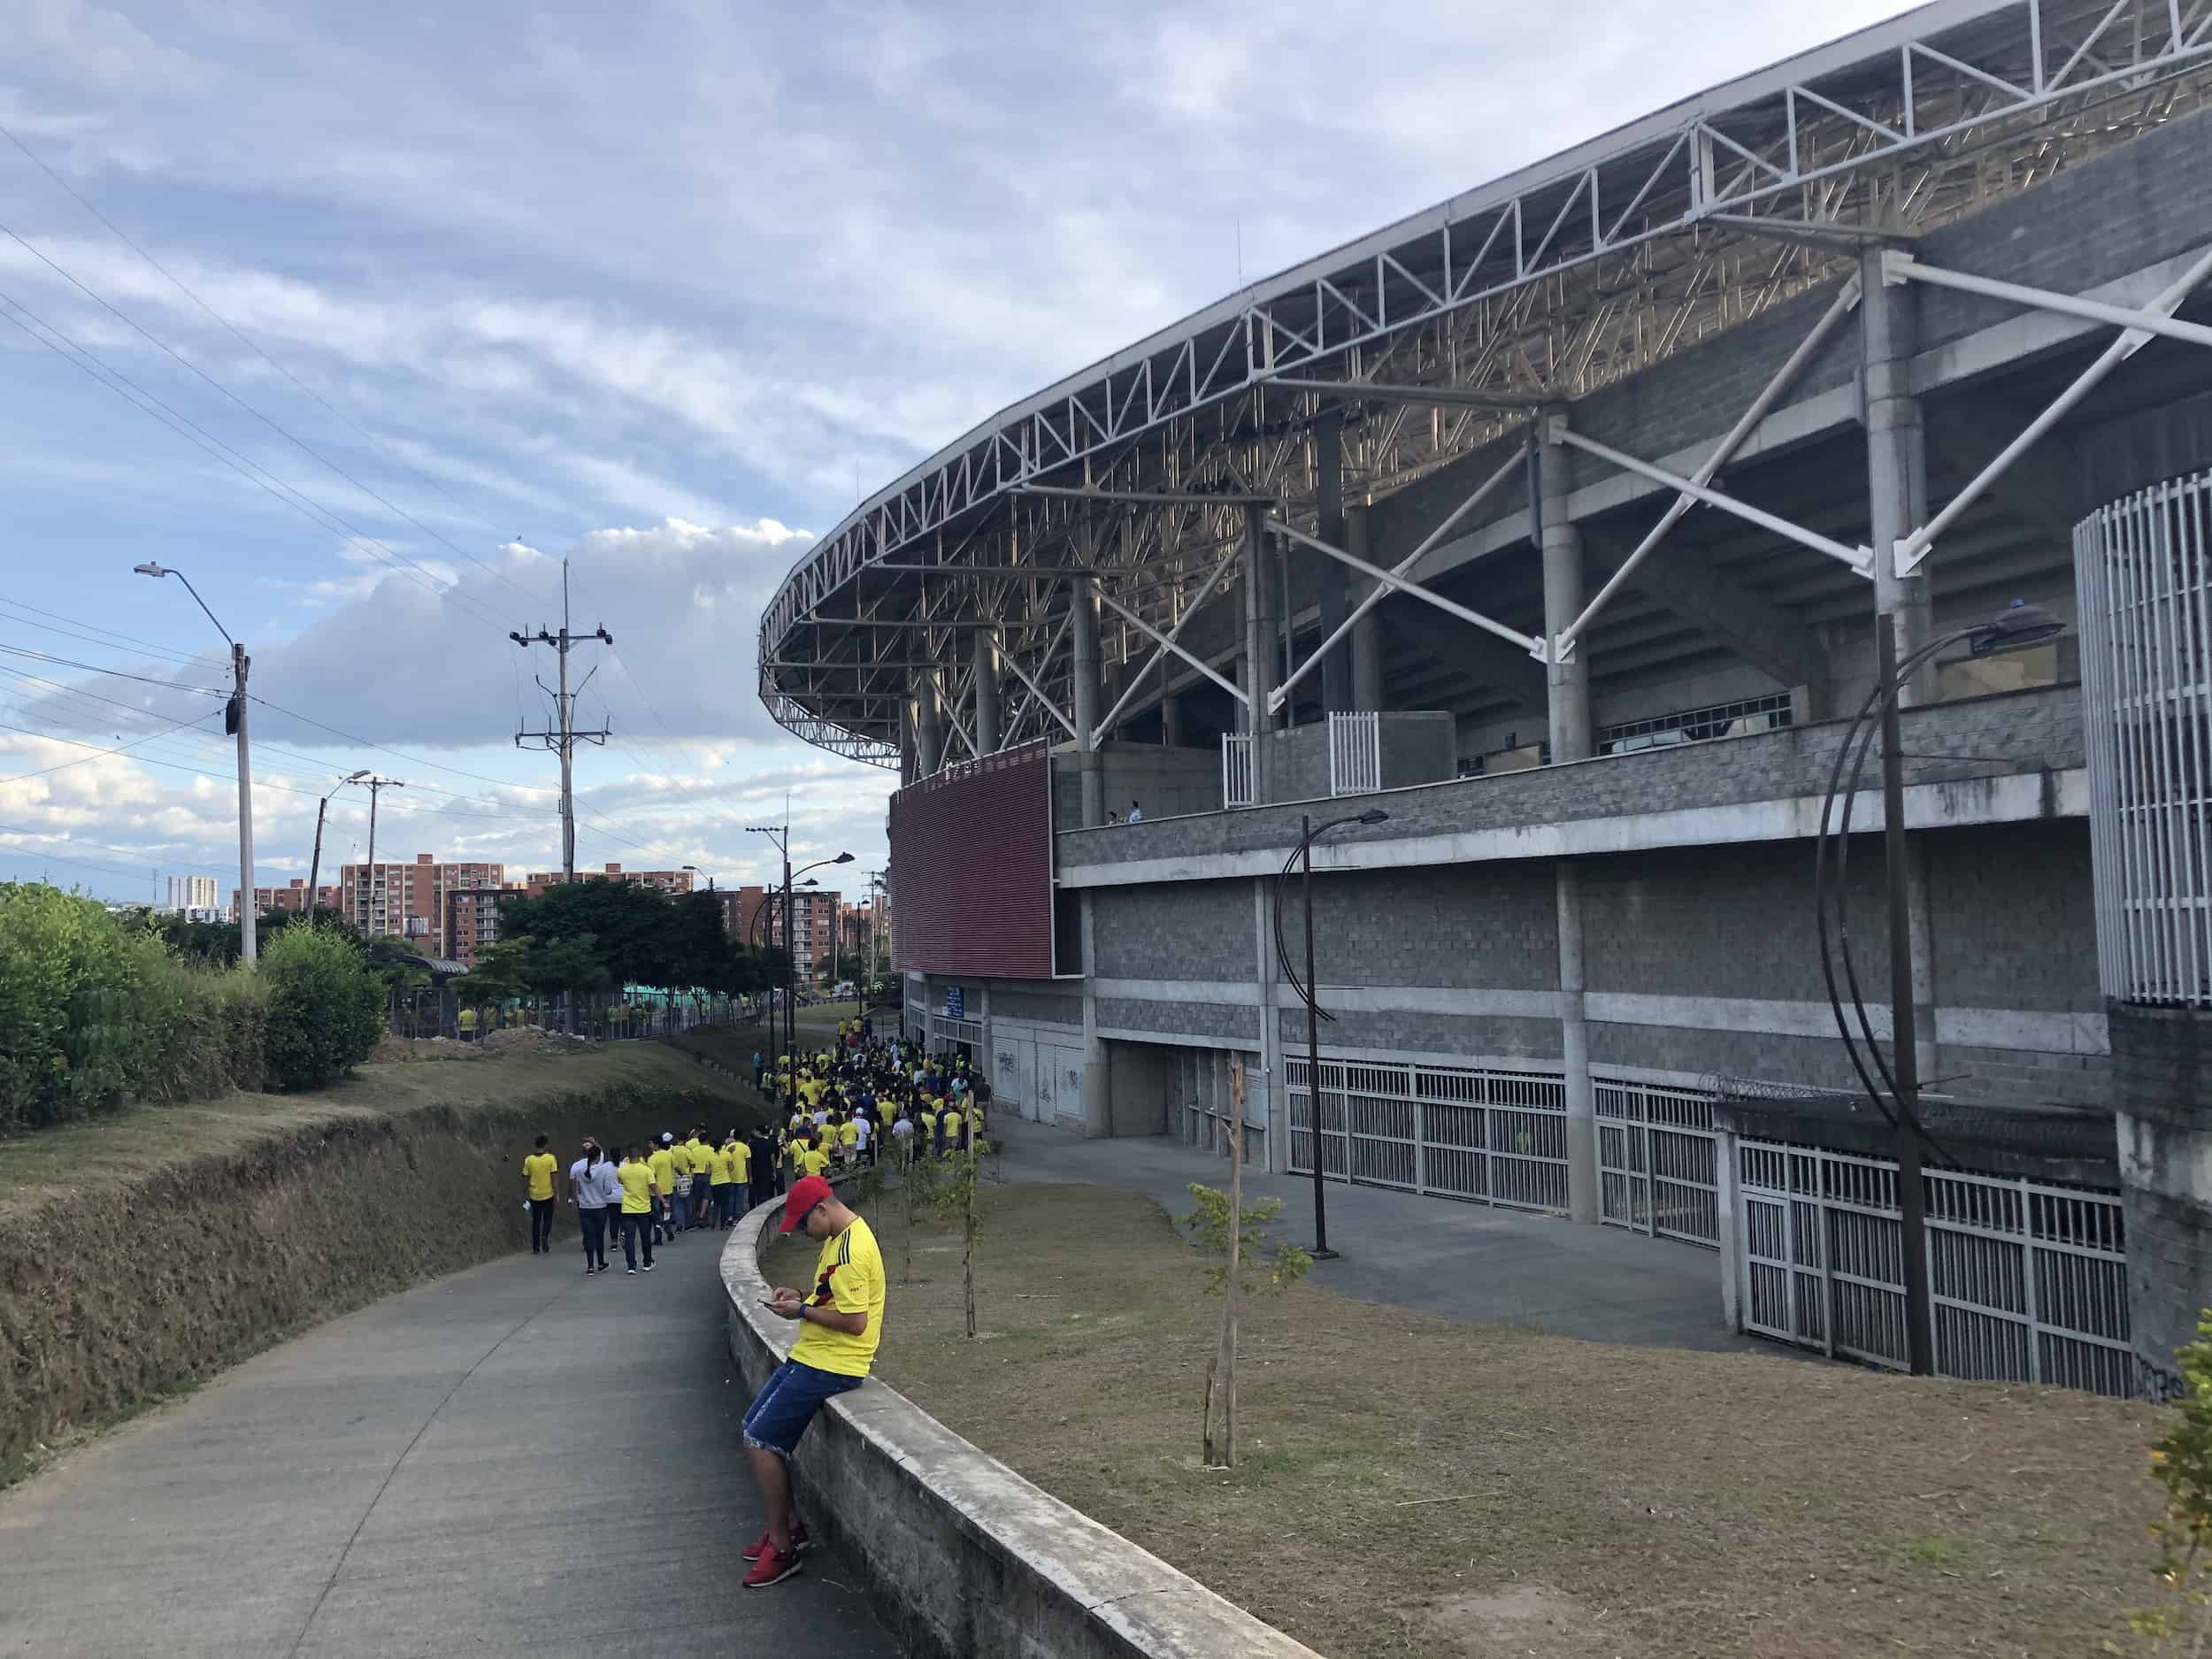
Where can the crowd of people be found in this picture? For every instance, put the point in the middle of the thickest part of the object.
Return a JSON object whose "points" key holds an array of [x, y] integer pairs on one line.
{"points": [[839, 1107]]}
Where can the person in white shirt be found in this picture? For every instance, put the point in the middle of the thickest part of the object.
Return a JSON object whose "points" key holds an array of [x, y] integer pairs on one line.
{"points": [[1136, 813], [864, 1132], [591, 1214], [902, 1133]]}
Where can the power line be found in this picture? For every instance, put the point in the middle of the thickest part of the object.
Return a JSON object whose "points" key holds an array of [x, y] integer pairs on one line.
{"points": [[243, 339], [192, 431], [298, 443], [47, 737], [127, 852], [109, 673], [79, 863], [207, 659]]}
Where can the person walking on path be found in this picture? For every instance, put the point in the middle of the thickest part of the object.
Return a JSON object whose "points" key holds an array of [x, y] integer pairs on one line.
{"points": [[662, 1160], [537, 1187], [762, 1143], [844, 1319], [639, 1196], [591, 1210]]}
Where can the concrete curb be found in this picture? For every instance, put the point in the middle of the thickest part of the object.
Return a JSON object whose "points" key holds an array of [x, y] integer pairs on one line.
{"points": [[971, 1559]]}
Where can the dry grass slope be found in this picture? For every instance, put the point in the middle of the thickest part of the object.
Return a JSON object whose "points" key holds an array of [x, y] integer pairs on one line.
{"points": [[147, 1250], [1414, 1486]]}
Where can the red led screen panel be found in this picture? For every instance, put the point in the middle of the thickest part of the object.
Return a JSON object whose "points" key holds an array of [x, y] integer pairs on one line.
{"points": [[971, 869]]}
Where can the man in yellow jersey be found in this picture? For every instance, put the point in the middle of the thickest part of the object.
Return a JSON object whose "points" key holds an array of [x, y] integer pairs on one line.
{"points": [[847, 1139], [661, 1162], [732, 1171], [639, 1195], [700, 1151], [843, 1321], [537, 1187], [812, 1159]]}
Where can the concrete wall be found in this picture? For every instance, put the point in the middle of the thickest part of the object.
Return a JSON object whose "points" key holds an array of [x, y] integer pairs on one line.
{"points": [[970, 1560], [2163, 1061], [1169, 782]]}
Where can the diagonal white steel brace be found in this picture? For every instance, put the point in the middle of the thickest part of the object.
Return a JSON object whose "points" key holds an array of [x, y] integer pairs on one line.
{"points": [[1391, 579], [1036, 690], [1158, 651], [1898, 265], [1910, 552], [1860, 559], [1513, 464], [1847, 297], [1200, 664]]}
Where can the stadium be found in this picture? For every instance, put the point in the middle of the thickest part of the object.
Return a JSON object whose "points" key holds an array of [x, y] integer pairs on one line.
{"points": [[1543, 546]]}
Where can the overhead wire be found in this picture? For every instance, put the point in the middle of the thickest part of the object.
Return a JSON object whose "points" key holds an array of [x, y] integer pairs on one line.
{"points": [[290, 437], [209, 658], [324, 517], [127, 852], [240, 335]]}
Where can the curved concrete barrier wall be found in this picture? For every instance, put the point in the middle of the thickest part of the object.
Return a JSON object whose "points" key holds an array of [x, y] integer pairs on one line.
{"points": [[973, 1559]]}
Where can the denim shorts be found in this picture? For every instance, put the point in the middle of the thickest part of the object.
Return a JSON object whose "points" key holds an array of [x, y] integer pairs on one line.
{"points": [[787, 1403]]}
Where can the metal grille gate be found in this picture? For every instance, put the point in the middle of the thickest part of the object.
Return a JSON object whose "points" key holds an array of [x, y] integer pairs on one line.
{"points": [[1657, 1170], [2029, 1281], [1494, 1136]]}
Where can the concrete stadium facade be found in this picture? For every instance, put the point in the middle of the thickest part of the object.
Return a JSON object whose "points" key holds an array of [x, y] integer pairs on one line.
{"points": [[1592, 896]]}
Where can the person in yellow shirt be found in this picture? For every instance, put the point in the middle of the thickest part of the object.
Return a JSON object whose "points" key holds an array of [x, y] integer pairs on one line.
{"points": [[847, 1139], [661, 1162], [732, 1175], [812, 1161], [926, 1121], [843, 1321], [639, 1197], [700, 1152], [468, 1024], [538, 1170]]}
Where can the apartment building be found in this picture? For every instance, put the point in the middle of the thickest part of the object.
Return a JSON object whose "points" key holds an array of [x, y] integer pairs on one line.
{"points": [[410, 899], [291, 896], [192, 893], [536, 883]]}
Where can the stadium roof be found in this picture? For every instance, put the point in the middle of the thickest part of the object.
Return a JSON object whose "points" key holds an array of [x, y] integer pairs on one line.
{"points": [[1549, 282]]}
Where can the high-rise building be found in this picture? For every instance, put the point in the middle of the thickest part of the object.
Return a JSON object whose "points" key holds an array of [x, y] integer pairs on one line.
{"points": [[665, 881], [192, 893], [409, 900], [756, 916], [292, 897]]}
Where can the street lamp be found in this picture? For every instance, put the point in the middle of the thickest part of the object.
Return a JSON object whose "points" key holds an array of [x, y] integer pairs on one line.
{"points": [[315, 864], [1302, 854], [1899, 1077], [780, 834], [234, 722], [697, 871]]}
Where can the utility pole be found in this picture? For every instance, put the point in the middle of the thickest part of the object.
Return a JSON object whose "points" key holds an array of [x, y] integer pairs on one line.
{"points": [[562, 742], [315, 864], [375, 785]]}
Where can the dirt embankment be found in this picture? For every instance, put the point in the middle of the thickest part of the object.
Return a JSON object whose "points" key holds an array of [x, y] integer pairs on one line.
{"points": [[143, 1253]]}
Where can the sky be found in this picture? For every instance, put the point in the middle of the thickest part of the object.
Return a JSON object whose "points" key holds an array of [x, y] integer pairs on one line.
{"points": [[365, 318]]}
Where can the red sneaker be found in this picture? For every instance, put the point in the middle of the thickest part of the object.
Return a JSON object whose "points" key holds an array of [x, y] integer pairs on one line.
{"points": [[800, 1544], [771, 1568]]}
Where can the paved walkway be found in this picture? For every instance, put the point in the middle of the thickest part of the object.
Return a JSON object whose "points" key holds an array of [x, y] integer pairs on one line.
{"points": [[1433, 1254], [512, 1459]]}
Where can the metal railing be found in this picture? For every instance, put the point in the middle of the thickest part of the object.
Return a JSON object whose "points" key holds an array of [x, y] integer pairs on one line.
{"points": [[1495, 1137], [2029, 1279], [1656, 1168], [2140, 565], [1355, 753], [1236, 769]]}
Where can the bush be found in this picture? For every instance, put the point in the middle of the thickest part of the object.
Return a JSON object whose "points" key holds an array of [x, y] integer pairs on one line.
{"points": [[67, 974], [205, 1028], [326, 1009]]}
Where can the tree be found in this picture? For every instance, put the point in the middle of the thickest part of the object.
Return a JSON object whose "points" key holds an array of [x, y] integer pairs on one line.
{"points": [[950, 1187], [1223, 1222], [2182, 1462], [629, 924], [325, 1006]]}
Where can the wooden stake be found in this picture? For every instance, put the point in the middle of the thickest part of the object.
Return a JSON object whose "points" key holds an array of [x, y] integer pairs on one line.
{"points": [[1228, 1358]]}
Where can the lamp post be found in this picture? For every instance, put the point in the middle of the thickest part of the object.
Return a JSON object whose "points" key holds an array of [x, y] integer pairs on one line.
{"points": [[1899, 1077], [780, 834], [234, 721], [1309, 833], [315, 864], [697, 871]]}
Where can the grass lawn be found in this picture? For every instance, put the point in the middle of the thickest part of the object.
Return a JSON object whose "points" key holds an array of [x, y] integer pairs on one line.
{"points": [[1410, 1484], [144, 1140]]}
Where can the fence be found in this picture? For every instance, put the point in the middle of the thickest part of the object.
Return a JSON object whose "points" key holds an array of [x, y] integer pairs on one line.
{"points": [[1656, 1168], [432, 1013], [2143, 565], [1497, 1137], [2028, 1281], [1355, 754], [1236, 769]]}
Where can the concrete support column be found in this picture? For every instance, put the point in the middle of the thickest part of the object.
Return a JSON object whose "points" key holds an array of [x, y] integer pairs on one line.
{"points": [[987, 717], [1574, 1050], [1171, 718], [1260, 645], [1366, 641], [1098, 1077], [930, 736], [1087, 709], [1270, 1103], [1896, 461], [910, 755], [1329, 598], [1567, 685]]}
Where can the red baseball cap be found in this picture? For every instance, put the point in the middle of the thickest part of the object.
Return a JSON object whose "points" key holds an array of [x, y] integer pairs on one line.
{"points": [[806, 1192]]}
